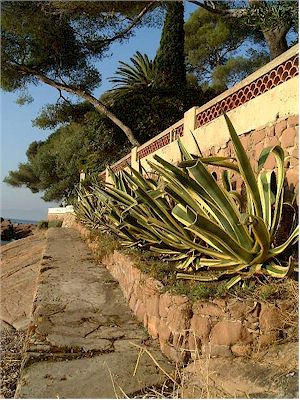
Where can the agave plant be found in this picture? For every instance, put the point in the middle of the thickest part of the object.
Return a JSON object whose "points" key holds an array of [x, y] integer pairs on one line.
{"points": [[195, 221]]}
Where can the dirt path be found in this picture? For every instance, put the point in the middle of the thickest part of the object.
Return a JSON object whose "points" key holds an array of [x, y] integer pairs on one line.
{"points": [[79, 343]]}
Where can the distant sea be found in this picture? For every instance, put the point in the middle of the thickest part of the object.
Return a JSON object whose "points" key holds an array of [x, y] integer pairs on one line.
{"points": [[18, 221], [22, 221]]}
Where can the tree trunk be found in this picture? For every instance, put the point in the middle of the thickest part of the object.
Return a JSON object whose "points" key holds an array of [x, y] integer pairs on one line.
{"points": [[276, 40], [104, 110]]}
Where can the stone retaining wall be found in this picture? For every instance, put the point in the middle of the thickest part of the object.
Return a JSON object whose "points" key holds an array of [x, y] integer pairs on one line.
{"points": [[186, 329]]}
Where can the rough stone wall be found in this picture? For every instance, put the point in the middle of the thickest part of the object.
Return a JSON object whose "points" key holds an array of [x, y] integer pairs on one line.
{"points": [[185, 329], [284, 132], [56, 217]]}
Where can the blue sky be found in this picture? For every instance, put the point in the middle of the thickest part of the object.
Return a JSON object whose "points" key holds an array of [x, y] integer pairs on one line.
{"points": [[17, 131]]}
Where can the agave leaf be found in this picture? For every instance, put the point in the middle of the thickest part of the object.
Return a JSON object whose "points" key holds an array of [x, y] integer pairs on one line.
{"points": [[278, 153], [203, 277], [193, 193], [222, 200], [245, 167], [233, 281], [186, 263], [264, 187], [212, 233], [276, 270], [289, 242]]}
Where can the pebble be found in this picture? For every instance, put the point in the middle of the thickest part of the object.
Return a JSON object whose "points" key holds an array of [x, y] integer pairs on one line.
{"points": [[11, 346]]}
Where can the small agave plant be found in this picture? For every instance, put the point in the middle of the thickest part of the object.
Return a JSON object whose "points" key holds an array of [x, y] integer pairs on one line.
{"points": [[199, 223]]}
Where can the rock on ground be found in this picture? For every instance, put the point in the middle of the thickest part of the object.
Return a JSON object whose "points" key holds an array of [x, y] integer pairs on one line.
{"points": [[20, 264], [11, 346], [270, 374]]}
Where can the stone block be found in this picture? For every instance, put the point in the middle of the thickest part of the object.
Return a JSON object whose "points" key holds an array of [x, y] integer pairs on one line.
{"points": [[288, 138], [216, 350], [140, 311], [293, 121], [151, 286], [178, 319], [271, 141], [270, 131], [258, 148], [153, 326], [200, 326], [207, 308], [238, 309], [173, 354], [152, 305], [194, 344], [241, 350], [269, 318], [226, 333], [292, 177], [164, 332], [165, 301], [295, 152], [132, 301], [258, 136], [280, 127], [267, 339], [180, 340], [245, 139]]}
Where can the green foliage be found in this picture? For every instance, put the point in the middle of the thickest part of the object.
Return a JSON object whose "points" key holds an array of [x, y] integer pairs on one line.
{"points": [[273, 14], [54, 224], [54, 115], [214, 46], [134, 78], [193, 220], [42, 225], [170, 63], [45, 42], [54, 165], [60, 39]]}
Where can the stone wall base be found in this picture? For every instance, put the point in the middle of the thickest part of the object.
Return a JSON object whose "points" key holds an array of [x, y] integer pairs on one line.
{"points": [[188, 330]]}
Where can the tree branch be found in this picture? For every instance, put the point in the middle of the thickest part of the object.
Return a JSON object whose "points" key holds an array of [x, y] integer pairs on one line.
{"points": [[100, 107], [232, 12], [134, 22], [61, 96]]}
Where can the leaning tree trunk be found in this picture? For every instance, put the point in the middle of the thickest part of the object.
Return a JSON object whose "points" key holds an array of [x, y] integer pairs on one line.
{"points": [[276, 40]]}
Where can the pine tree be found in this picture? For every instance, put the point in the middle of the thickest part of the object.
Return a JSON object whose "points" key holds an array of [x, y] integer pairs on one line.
{"points": [[171, 72]]}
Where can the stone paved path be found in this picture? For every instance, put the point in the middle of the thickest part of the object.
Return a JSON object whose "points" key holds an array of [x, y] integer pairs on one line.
{"points": [[78, 344]]}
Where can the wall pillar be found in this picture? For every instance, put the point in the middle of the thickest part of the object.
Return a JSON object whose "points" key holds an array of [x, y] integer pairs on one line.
{"points": [[189, 121], [134, 158], [108, 178], [188, 127]]}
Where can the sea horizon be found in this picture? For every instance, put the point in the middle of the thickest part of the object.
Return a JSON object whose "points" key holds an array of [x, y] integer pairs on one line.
{"points": [[21, 221]]}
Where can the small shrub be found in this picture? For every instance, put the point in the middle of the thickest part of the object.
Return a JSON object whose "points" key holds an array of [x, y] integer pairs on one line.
{"points": [[55, 224], [42, 225]]}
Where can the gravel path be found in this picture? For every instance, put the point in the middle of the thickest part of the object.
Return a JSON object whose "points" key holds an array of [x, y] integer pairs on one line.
{"points": [[11, 345]]}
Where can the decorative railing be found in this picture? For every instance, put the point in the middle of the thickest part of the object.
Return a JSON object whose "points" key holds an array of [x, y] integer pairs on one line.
{"points": [[121, 164], [282, 73], [167, 136]]}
